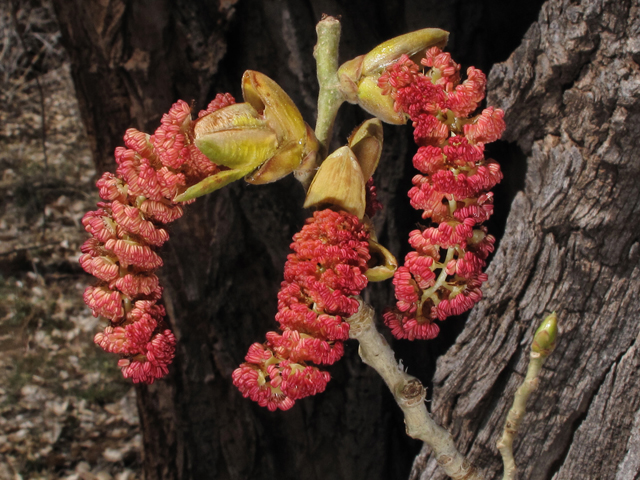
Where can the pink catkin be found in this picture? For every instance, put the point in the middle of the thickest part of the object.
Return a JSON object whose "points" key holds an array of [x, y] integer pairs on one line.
{"points": [[325, 270], [443, 276], [126, 230]]}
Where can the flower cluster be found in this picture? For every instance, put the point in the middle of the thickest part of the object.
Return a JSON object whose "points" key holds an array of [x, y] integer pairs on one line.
{"points": [[442, 277], [126, 230], [320, 278]]}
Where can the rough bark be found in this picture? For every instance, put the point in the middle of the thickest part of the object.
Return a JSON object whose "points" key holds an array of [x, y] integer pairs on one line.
{"points": [[572, 96], [131, 60]]}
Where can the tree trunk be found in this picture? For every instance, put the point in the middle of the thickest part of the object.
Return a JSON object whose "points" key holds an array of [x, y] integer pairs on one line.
{"points": [[572, 96], [571, 242]]}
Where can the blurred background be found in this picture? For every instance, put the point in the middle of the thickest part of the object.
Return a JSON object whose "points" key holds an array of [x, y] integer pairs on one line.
{"points": [[65, 409]]}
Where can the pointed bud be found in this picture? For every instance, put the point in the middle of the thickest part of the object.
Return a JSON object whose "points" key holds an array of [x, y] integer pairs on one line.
{"points": [[544, 340], [412, 44], [263, 139], [284, 118], [339, 182], [366, 144], [236, 137]]}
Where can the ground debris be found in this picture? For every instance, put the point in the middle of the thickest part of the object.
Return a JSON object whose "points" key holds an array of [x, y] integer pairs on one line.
{"points": [[65, 410]]}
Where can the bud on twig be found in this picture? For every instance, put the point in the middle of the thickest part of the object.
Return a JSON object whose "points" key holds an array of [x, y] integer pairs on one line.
{"points": [[339, 182], [544, 340], [263, 139], [236, 137], [359, 76], [285, 119]]}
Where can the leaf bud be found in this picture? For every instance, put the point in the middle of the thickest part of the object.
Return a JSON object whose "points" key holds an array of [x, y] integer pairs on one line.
{"points": [[544, 340], [263, 139], [339, 182], [284, 118], [236, 137]]}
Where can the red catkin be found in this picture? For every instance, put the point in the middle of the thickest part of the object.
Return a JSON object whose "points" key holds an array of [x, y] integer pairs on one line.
{"points": [[443, 276], [324, 272], [127, 229]]}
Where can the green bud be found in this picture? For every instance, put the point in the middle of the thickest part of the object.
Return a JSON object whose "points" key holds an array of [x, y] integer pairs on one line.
{"points": [[284, 118], [544, 340], [359, 77], [411, 44], [236, 137], [263, 139]]}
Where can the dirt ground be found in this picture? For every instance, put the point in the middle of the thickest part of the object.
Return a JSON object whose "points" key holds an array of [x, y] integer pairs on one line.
{"points": [[65, 411]]}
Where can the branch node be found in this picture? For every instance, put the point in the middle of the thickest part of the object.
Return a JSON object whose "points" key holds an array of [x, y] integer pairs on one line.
{"points": [[412, 393]]}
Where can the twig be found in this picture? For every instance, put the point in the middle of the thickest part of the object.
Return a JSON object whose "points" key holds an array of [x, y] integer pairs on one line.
{"points": [[544, 341], [329, 97], [409, 393]]}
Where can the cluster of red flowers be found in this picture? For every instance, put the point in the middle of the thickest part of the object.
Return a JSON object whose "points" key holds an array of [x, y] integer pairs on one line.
{"points": [[127, 228], [321, 276], [442, 277]]}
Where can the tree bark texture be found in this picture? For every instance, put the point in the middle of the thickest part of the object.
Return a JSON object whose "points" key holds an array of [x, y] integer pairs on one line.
{"points": [[571, 93], [131, 59]]}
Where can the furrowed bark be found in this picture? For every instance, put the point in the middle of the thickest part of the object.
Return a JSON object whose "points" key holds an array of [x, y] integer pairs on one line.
{"points": [[572, 102]]}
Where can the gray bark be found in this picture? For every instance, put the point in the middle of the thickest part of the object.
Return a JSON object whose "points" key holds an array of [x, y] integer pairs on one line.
{"points": [[571, 93]]}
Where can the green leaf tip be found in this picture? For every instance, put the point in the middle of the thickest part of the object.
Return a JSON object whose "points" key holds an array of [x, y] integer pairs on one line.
{"points": [[212, 183]]}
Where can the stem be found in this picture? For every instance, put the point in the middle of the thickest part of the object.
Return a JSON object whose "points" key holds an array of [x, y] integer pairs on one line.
{"points": [[330, 98], [409, 393], [543, 345], [442, 277], [516, 413]]}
